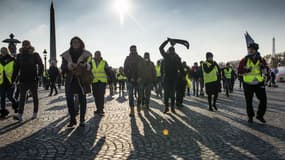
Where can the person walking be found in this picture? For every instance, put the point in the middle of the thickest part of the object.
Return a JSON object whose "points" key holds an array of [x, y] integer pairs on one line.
{"points": [[227, 74], [6, 86], [121, 80], [53, 73], [28, 68], [253, 68], [132, 68], [101, 72], [195, 77], [149, 76], [158, 83], [171, 66], [211, 76], [77, 69]]}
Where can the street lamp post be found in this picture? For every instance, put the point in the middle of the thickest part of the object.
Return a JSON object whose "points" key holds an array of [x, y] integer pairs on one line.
{"points": [[45, 58], [12, 44]]}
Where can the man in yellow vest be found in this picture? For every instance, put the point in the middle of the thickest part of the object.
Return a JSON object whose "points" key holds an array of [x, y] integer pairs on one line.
{"points": [[158, 85], [211, 76], [227, 74], [252, 68], [6, 90], [100, 72], [122, 80]]}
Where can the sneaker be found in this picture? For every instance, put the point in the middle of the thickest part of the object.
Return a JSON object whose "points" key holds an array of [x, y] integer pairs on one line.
{"points": [[71, 124], [211, 109], [173, 110], [261, 119], [215, 107], [18, 117], [101, 113], [35, 115]]}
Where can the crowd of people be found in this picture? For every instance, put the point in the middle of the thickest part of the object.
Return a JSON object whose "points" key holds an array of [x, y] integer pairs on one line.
{"points": [[170, 79]]}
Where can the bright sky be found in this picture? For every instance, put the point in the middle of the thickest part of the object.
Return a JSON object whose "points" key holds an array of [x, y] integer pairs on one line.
{"points": [[110, 26]]}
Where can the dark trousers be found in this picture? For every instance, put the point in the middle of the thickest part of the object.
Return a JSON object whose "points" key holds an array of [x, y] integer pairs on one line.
{"points": [[7, 91], [227, 86], [52, 87], [158, 86], [146, 93], [98, 90], [260, 93], [169, 93], [121, 87], [180, 93], [195, 85], [23, 88], [71, 106]]}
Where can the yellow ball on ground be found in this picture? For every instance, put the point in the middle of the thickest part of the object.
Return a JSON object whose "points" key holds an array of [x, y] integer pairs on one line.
{"points": [[165, 132]]}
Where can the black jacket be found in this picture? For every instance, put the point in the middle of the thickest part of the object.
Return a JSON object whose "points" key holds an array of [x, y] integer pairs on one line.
{"points": [[53, 73], [28, 67], [171, 65]]}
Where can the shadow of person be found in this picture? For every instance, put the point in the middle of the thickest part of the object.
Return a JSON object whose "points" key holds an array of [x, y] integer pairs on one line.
{"points": [[153, 144], [225, 138], [36, 145], [55, 141], [84, 141]]}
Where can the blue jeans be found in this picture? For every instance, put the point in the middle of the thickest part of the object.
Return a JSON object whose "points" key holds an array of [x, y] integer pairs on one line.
{"points": [[71, 106]]}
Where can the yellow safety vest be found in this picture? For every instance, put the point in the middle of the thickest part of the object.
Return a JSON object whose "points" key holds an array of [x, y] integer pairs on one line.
{"points": [[255, 75], [228, 73], [99, 72], [211, 76], [8, 69], [120, 76], [157, 69]]}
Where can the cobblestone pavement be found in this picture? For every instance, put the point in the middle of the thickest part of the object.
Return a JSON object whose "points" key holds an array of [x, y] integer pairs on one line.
{"points": [[194, 132]]}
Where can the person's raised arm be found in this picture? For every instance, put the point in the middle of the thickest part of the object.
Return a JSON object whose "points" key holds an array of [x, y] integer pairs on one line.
{"points": [[161, 48]]}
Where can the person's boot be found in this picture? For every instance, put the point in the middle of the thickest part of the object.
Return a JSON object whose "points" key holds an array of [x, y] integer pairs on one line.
{"points": [[261, 119], [35, 115], [18, 117], [72, 123], [15, 107], [147, 106], [250, 120], [82, 121], [132, 112], [166, 110], [215, 107], [173, 110], [210, 108], [139, 109], [4, 113]]}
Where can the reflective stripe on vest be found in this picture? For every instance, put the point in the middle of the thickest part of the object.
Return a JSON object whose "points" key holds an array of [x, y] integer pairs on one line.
{"points": [[8, 69], [255, 76], [211, 76], [99, 72], [157, 69], [228, 73]]}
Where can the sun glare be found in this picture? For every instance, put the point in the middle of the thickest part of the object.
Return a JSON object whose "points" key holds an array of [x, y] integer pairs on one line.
{"points": [[122, 7]]}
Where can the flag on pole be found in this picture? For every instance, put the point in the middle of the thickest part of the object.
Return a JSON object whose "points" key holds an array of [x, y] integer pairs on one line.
{"points": [[248, 39]]}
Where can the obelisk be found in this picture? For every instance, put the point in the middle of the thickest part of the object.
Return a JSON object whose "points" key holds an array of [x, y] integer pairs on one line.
{"points": [[52, 35]]}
